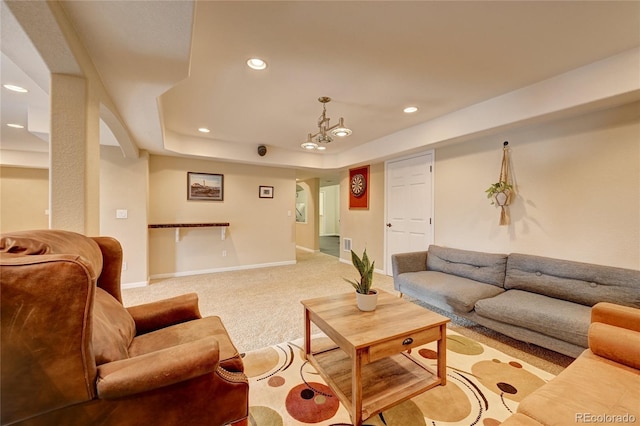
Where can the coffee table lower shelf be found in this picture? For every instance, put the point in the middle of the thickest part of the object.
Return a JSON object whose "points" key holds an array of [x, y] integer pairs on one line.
{"points": [[385, 382]]}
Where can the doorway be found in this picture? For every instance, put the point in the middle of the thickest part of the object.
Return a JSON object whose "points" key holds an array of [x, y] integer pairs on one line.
{"points": [[409, 205], [329, 217]]}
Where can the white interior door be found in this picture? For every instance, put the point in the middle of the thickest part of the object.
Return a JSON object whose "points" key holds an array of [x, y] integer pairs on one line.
{"points": [[409, 205]]}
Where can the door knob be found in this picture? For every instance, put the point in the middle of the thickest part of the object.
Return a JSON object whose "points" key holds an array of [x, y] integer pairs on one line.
{"points": [[388, 225]]}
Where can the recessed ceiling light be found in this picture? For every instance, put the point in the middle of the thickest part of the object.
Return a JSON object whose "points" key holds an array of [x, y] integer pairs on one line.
{"points": [[16, 126], [410, 109], [203, 130], [256, 64], [321, 148], [15, 88]]}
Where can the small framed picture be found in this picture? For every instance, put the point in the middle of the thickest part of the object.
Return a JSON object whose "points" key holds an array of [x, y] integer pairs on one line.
{"points": [[266, 192], [205, 186]]}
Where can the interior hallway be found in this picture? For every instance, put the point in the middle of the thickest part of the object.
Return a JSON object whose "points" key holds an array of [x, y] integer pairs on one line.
{"points": [[330, 244]]}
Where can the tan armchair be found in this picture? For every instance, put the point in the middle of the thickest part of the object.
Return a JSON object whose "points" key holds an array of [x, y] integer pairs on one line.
{"points": [[72, 354]]}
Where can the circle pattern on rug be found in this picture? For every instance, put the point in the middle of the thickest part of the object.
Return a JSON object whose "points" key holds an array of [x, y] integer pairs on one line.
{"points": [[428, 353], [276, 381], [403, 414], [260, 415], [311, 406], [257, 363], [448, 403], [463, 345], [483, 388], [513, 382]]}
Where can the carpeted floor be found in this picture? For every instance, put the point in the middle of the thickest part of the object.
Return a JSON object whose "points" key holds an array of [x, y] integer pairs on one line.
{"points": [[261, 307], [484, 387]]}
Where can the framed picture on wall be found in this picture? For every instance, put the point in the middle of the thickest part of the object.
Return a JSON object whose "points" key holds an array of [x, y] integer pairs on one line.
{"points": [[359, 188], [205, 186], [265, 192]]}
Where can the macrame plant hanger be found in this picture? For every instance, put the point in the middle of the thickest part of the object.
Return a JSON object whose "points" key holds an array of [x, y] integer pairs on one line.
{"points": [[503, 199]]}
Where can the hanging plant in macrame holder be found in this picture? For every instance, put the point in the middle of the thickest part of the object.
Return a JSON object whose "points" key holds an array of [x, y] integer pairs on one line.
{"points": [[500, 192]]}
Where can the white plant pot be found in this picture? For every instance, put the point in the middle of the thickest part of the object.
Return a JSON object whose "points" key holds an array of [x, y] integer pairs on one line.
{"points": [[367, 302], [502, 198]]}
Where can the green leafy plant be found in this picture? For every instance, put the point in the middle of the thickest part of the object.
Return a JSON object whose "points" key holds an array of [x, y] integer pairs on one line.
{"points": [[496, 188], [365, 268]]}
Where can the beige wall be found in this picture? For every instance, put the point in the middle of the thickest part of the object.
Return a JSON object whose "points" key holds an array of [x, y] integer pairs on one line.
{"points": [[124, 186], [261, 231], [364, 227], [307, 233], [24, 198], [578, 185]]}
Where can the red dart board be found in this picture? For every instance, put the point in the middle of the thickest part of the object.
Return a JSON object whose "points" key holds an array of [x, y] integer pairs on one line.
{"points": [[359, 188]]}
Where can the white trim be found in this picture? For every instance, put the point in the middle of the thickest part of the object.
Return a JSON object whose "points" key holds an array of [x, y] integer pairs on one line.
{"points": [[134, 285], [307, 249], [215, 270], [348, 262]]}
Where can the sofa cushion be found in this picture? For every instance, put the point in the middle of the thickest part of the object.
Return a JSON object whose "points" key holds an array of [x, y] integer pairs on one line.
{"points": [[190, 331], [590, 386], [49, 241], [488, 268], [445, 291], [113, 328], [552, 317], [577, 282]]}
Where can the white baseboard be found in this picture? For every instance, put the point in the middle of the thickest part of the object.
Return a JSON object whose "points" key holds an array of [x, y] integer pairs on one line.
{"points": [[134, 285], [348, 261], [215, 270]]}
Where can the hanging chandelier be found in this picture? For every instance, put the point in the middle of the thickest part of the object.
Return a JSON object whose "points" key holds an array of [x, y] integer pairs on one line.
{"points": [[325, 131]]}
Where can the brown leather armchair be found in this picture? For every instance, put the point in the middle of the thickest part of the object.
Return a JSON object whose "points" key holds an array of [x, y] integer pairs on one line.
{"points": [[72, 354]]}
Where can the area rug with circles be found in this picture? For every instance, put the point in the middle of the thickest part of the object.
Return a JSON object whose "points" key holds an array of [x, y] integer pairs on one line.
{"points": [[484, 387]]}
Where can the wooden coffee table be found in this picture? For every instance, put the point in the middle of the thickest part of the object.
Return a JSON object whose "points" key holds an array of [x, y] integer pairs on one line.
{"points": [[370, 370]]}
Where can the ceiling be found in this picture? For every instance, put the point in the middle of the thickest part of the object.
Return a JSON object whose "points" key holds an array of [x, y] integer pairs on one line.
{"points": [[171, 67]]}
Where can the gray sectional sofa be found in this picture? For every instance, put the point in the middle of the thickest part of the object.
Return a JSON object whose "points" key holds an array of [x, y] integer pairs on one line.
{"points": [[535, 299]]}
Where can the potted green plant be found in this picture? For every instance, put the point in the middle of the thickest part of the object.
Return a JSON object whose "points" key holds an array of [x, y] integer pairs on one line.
{"points": [[365, 296], [499, 193]]}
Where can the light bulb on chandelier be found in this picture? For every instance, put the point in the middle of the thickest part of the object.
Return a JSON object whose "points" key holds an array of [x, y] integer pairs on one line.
{"points": [[317, 141]]}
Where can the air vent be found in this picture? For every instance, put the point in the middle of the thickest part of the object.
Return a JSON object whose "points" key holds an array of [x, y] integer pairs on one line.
{"points": [[346, 244]]}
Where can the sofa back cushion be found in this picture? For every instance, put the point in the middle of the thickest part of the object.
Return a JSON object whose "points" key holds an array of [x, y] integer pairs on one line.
{"points": [[113, 328], [576, 282], [488, 268]]}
